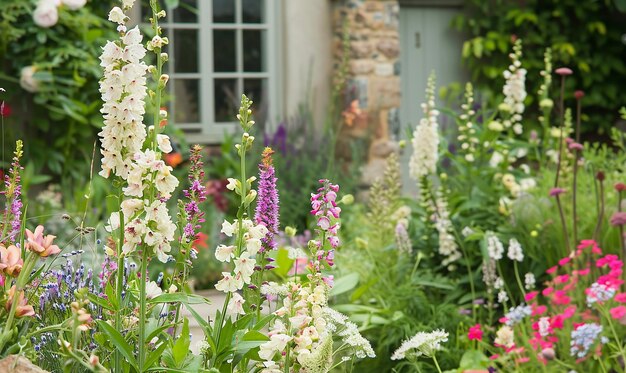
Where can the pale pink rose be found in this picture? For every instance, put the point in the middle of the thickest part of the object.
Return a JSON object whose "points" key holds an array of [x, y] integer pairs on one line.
{"points": [[46, 14]]}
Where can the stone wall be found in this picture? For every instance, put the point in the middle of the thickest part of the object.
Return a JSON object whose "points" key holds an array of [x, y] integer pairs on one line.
{"points": [[372, 101]]}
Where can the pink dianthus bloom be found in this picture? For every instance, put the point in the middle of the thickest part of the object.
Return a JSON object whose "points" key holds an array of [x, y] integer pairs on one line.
{"points": [[618, 312], [475, 333]]}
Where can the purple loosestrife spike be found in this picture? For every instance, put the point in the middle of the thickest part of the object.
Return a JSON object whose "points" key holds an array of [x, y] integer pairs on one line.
{"points": [[196, 194], [267, 208]]}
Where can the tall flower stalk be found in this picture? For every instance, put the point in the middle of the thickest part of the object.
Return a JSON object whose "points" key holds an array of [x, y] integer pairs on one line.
{"points": [[267, 214], [247, 235], [145, 182], [13, 193], [425, 141], [191, 217]]}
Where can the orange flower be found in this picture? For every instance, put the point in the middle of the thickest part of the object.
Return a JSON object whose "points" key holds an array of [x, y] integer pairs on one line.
{"points": [[10, 260], [40, 244], [23, 308], [173, 159]]}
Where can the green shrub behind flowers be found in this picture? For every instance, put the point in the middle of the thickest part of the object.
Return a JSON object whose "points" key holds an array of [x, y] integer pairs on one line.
{"points": [[50, 72]]}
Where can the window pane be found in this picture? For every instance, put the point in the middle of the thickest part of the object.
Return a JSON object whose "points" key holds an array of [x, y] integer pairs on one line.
{"points": [[186, 12], [256, 90], [186, 101], [253, 11], [186, 51], [253, 47], [226, 99], [224, 53], [224, 11]]}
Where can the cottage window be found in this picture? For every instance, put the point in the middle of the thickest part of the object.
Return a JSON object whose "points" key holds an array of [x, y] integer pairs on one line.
{"points": [[219, 50]]}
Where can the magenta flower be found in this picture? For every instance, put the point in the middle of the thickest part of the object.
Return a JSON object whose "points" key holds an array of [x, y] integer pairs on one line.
{"points": [[556, 191], [575, 146], [618, 219], [475, 333], [564, 71], [324, 207], [267, 208]]}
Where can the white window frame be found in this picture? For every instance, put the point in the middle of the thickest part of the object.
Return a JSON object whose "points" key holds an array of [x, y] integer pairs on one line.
{"points": [[207, 131]]}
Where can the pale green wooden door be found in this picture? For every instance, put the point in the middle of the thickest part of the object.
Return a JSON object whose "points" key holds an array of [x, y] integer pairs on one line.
{"points": [[427, 43]]}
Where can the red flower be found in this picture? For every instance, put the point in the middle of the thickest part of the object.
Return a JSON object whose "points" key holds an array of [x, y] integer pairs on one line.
{"points": [[475, 333], [620, 187], [5, 109], [551, 270], [579, 94], [621, 298], [201, 241]]}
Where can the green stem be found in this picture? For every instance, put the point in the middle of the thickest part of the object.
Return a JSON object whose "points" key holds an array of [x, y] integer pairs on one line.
{"points": [[436, 363], [142, 308], [517, 277], [120, 284]]}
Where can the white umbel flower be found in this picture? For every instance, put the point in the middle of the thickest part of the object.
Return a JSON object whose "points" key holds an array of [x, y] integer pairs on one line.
{"points": [[426, 137], [420, 344]]}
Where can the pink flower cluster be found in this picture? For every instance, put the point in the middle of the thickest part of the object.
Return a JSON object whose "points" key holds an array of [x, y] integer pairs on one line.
{"points": [[571, 300], [324, 207]]}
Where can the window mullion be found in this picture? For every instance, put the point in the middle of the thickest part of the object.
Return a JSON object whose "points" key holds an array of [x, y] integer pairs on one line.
{"points": [[206, 68], [239, 53]]}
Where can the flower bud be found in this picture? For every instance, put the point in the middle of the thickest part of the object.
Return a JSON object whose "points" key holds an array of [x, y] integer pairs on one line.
{"points": [[348, 199], [290, 231]]}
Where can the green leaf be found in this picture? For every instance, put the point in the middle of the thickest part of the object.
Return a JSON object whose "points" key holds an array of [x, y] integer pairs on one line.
{"points": [[181, 346], [154, 356], [473, 359], [119, 342], [344, 284], [283, 262], [100, 302], [179, 298]]}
